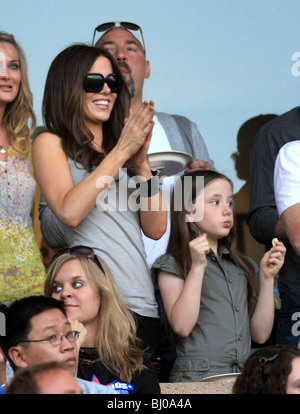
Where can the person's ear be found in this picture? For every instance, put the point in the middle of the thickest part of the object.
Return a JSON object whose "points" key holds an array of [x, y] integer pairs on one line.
{"points": [[148, 69], [190, 216], [17, 356]]}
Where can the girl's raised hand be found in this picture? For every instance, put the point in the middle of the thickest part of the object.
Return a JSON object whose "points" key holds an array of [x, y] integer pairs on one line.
{"points": [[273, 260], [199, 247]]}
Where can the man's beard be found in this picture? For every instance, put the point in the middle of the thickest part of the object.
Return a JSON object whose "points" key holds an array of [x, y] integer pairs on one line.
{"points": [[130, 83], [131, 86]]}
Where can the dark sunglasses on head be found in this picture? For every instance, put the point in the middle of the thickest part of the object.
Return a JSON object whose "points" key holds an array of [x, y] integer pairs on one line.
{"points": [[94, 82], [78, 251], [125, 25], [264, 360]]}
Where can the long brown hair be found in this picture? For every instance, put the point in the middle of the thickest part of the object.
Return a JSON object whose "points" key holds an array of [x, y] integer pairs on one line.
{"points": [[63, 104], [182, 232], [20, 110]]}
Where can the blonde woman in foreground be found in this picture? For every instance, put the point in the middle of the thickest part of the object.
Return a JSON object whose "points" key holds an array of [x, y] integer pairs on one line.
{"points": [[110, 353]]}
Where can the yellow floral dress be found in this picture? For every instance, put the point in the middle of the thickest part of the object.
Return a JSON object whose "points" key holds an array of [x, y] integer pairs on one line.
{"points": [[22, 272]]}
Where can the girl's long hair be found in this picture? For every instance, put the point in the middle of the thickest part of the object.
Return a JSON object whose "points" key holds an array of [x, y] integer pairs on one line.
{"points": [[19, 118], [63, 105], [116, 341], [182, 232]]}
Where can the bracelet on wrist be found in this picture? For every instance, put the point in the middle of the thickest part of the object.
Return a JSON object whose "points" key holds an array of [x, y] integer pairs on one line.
{"points": [[148, 188]]}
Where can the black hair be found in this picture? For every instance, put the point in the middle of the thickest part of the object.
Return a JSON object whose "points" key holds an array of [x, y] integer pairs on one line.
{"points": [[18, 318]]}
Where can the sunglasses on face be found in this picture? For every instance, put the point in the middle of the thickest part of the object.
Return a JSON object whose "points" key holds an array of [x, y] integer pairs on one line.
{"points": [[94, 82], [79, 251], [125, 25]]}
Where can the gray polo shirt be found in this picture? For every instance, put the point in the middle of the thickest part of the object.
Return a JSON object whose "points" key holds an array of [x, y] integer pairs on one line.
{"points": [[220, 341]]}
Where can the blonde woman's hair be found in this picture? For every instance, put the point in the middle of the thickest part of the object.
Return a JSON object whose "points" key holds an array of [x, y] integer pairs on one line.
{"points": [[116, 339], [19, 113]]}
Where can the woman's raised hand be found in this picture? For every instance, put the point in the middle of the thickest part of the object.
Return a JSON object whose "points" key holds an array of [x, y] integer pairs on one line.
{"points": [[136, 134]]}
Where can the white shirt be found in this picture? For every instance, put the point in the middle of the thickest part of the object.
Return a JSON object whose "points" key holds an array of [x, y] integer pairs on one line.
{"points": [[159, 142], [287, 176]]}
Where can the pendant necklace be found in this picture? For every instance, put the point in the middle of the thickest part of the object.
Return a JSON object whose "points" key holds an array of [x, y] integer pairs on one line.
{"points": [[2, 150]]}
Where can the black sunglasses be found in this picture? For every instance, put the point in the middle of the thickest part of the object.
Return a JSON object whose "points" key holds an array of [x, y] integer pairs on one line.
{"points": [[125, 25], [94, 82], [78, 251]]}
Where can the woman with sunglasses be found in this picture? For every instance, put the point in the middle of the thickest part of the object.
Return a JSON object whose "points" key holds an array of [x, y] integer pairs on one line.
{"points": [[273, 369], [110, 353], [90, 165], [21, 269]]}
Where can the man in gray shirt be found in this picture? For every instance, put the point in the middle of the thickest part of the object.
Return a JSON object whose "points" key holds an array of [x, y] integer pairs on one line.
{"points": [[171, 132]]}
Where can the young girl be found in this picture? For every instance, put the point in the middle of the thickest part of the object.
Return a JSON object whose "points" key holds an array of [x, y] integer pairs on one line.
{"points": [[110, 352], [208, 288]]}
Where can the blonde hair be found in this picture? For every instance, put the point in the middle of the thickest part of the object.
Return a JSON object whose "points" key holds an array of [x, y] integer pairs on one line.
{"points": [[18, 113], [116, 339]]}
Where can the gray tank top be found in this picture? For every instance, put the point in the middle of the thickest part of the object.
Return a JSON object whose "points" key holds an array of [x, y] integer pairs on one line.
{"points": [[114, 233]]}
